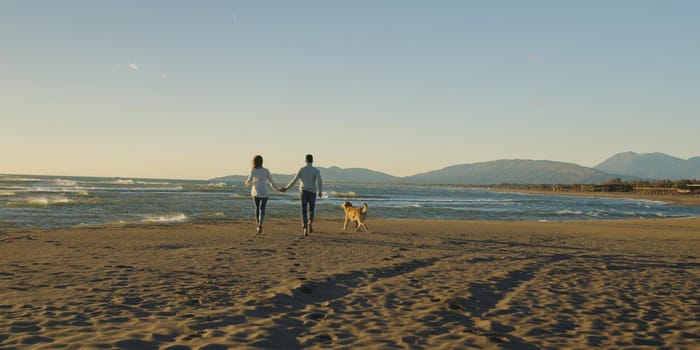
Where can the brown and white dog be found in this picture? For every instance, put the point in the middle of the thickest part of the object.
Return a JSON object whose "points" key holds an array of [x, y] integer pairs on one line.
{"points": [[355, 214]]}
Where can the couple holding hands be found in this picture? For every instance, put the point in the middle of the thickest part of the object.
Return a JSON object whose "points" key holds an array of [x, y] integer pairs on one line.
{"points": [[310, 184]]}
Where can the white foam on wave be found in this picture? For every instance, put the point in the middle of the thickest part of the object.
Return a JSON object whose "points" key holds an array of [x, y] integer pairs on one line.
{"points": [[569, 212], [49, 200], [216, 215], [7, 193], [137, 189], [104, 224], [122, 182], [349, 194], [64, 183], [155, 189], [19, 179], [642, 201], [42, 201], [14, 188], [411, 205], [75, 190], [217, 185], [152, 182], [487, 200], [113, 223], [166, 218]]}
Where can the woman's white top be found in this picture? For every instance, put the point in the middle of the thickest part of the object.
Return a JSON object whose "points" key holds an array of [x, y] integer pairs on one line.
{"points": [[259, 178]]}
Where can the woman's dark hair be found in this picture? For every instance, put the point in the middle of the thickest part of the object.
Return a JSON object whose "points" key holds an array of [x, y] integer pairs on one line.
{"points": [[257, 162]]}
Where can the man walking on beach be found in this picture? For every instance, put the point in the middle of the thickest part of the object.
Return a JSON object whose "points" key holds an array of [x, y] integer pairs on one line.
{"points": [[310, 184]]}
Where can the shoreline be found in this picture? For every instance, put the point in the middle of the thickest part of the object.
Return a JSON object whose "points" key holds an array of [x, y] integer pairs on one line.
{"points": [[175, 225], [686, 200], [405, 284], [692, 202]]}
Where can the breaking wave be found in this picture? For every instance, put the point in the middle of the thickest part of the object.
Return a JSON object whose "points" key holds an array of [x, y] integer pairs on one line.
{"points": [[408, 205], [569, 212], [41, 201], [349, 194], [150, 182], [166, 218], [211, 216], [122, 182], [19, 179], [64, 183], [76, 190]]}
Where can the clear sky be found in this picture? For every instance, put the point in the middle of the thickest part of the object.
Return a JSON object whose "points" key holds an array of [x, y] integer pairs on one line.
{"points": [[194, 89]]}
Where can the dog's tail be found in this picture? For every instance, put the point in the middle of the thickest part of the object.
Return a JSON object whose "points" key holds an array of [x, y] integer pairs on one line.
{"points": [[364, 208]]}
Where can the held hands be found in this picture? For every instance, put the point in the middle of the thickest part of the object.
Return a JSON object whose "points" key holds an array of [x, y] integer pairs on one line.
{"points": [[282, 189], [320, 195]]}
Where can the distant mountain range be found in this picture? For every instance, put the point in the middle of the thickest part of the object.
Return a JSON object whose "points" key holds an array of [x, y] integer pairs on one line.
{"points": [[627, 166], [332, 174], [656, 166], [513, 171]]}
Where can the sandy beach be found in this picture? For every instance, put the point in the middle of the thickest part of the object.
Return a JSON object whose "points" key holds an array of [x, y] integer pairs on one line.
{"points": [[404, 285]]}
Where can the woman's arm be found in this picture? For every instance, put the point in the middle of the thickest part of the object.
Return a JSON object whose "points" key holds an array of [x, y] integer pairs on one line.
{"points": [[249, 180], [272, 183]]}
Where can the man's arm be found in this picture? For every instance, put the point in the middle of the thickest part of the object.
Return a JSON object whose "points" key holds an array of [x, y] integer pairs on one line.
{"points": [[319, 183], [294, 180]]}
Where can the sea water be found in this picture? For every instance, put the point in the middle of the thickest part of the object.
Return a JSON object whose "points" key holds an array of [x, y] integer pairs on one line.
{"points": [[47, 202]]}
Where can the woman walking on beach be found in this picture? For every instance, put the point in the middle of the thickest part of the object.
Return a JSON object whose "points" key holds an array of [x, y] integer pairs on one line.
{"points": [[258, 178]]}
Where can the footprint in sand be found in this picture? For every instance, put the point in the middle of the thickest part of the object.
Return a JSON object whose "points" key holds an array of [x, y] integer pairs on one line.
{"points": [[135, 344], [35, 339], [292, 257], [24, 327], [316, 316], [323, 338]]}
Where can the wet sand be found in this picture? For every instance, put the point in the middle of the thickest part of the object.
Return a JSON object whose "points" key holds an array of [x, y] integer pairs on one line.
{"points": [[404, 285]]}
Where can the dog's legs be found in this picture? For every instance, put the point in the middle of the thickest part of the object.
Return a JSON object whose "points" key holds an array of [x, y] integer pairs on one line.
{"points": [[345, 224], [366, 229]]}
